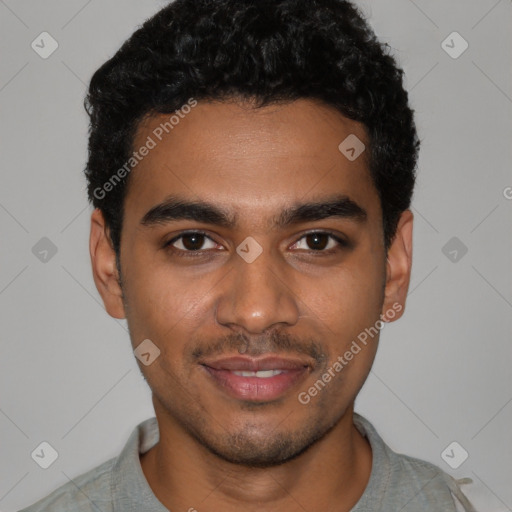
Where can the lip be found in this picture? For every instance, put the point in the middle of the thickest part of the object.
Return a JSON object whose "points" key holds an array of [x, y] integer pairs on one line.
{"points": [[252, 388]]}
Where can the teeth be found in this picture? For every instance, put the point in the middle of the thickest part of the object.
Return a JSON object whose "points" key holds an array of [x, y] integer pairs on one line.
{"points": [[262, 374]]}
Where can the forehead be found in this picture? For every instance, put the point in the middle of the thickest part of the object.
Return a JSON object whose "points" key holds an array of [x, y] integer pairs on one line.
{"points": [[246, 159]]}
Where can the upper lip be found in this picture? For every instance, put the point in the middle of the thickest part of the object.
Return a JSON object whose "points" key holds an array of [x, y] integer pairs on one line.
{"points": [[244, 363]]}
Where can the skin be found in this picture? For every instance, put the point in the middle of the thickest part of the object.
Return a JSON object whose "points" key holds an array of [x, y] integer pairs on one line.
{"points": [[253, 163]]}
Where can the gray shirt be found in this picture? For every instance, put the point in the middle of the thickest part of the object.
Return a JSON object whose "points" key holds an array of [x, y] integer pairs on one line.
{"points": [[397, 482]]}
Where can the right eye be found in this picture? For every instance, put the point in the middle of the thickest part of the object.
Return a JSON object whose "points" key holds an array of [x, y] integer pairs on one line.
{"points": [[190, 242]]}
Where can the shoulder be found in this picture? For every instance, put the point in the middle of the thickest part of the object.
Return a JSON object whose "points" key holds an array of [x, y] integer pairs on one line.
{"points": [[429, 486], [88, 492], [421, 485], [407, 483], [112, 484]]}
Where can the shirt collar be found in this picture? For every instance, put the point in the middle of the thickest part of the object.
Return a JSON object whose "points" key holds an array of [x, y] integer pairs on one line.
{"points": [[130, 489], [132, 493]]}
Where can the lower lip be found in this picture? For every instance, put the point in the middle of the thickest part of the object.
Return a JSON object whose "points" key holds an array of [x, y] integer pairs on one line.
{"points": [[257, 389]]}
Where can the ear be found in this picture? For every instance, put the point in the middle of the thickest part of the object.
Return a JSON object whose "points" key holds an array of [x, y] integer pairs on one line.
{"points": [[398, 269], [104, 269]]}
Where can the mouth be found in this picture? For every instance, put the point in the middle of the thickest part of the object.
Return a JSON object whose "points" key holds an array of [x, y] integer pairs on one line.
{"points": [[257, 380]]}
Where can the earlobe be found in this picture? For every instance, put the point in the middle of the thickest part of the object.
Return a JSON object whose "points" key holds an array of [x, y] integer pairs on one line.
{"points": [[398, 268], [104, 269]]}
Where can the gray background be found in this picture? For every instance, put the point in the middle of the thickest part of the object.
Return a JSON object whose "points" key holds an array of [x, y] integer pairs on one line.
{"points": [[442, 373]]}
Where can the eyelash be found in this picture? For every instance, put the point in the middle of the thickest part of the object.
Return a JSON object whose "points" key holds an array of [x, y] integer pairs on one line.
{"points": [[200, 252]]}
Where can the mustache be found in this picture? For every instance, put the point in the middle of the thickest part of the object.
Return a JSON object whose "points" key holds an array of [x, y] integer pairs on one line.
{"points": [[253, 346]]}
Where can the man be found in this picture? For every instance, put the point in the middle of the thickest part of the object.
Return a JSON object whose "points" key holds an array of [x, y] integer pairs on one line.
{"points": [[252, 163]]}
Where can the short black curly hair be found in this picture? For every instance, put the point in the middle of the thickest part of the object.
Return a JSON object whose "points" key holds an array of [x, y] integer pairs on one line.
{"points": [[267, 51]]}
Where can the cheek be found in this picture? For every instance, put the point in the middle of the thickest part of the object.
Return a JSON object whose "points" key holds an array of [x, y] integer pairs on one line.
{"points": [[164, 302], [348, 299]]}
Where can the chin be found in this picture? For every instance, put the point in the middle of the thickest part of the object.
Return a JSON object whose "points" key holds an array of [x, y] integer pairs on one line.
{"points": [[262, 450]]}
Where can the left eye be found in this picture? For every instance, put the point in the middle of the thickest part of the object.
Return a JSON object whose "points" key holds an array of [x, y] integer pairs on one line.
{"points": [[320, 242]]}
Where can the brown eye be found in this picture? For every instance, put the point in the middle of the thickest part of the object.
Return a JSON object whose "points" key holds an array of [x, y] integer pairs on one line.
{"points": [[319, 242], [191, 242]]}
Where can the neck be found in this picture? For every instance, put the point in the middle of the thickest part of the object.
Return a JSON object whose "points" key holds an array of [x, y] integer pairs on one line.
{"points": [[332, 474]]}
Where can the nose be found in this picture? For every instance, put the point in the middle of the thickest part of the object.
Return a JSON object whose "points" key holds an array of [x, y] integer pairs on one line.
{"points": [[256, 296]]}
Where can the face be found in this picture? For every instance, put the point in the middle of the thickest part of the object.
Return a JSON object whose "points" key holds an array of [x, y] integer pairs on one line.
{"points": [[252, 256]]}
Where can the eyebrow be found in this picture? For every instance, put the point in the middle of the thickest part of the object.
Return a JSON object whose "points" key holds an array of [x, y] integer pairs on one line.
{"points": [[175, 208]]}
